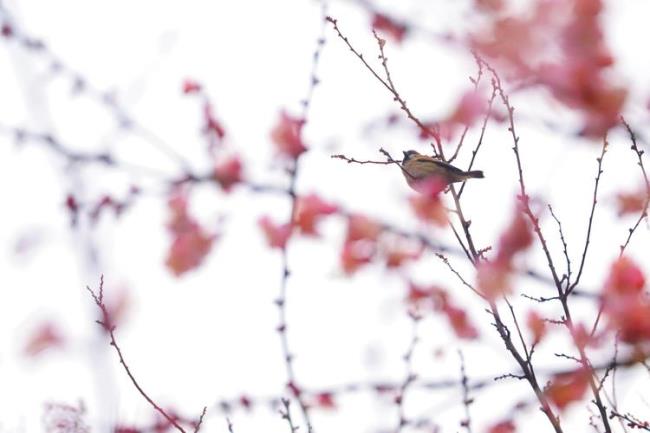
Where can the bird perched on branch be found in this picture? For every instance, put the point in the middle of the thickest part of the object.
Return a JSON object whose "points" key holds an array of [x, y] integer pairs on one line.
{"points": [[418, 168]]}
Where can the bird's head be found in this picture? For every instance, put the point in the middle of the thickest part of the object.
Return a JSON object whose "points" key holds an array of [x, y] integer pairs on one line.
{"points": [[408, 154]]}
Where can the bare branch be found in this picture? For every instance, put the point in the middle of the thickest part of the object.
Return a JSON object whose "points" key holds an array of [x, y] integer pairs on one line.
{"points": [[387, 83], [286, 415], [644, 213], [410, 375], [567, 276], [105, 323], [467, 401], [591, 215]]}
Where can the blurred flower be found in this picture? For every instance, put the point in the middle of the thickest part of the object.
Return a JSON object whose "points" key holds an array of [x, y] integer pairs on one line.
{"points": [[470, 107], [536, 326], [190, 243], [567, 388], [276, 235], [286, 135], [427, 204], [493, 277], [397, 251], [361, 227], [517, 237], [561, 46], [489, 6], [438, 300], [631, 202], [190, 86], [211, 125], [309, 210], [228, 172], [63, 418], [506, 426], [325, 400], [625, 278], [625, 303], [47, 335], [389, 26], [355, 254], [460, 322]]}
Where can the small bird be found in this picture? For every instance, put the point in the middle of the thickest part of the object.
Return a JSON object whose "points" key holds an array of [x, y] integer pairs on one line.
{"points": [[417, 168]]}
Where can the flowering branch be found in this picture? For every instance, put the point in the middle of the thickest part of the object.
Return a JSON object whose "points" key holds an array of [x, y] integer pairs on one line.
{"points": [[280, 302], [525, 201]]}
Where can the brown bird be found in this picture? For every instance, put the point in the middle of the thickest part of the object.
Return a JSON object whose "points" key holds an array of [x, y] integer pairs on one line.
{"points": [[417, 168]]}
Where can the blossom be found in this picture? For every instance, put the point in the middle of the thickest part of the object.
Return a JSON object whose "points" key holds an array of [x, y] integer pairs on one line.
{"points": [[536, 326], [276, 234], [392, 28], [228, 172], [191, 86], [287, 136], [567, 388], [190, 242], [427, 205], [47, 335], [309, 210]]}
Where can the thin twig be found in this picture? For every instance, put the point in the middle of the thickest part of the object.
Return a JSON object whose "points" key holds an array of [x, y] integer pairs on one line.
{"points": [[566, 277], [410, 375], [591, 215], [519, 333], [445, 260], [467, 401], [387, 83], [107, 325], [644, 212], [631, 420], [480, 139], [286, 415], [198, 424]]}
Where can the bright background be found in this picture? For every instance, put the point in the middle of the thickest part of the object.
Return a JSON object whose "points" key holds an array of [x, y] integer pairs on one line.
{"points": [[211, 334]]}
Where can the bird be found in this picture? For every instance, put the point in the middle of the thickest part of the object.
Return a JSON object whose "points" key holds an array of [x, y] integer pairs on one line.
{"points": [[418, 168]]}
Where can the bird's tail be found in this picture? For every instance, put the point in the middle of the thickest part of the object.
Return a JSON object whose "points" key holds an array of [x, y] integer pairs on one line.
{"points": [[476, 174]]}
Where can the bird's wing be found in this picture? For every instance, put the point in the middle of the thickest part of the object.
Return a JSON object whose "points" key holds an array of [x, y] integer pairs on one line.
{"points": [[446, 166]]}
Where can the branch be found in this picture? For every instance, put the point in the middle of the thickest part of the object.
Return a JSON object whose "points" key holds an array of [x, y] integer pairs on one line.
{"points": [[591, 215], [281, 301], [567, 276], [410, 376], [83, 86], [631, 420], [480, 139], [387, 83], [644, 213], [524, 199], [105, 323], [526, 369], [467, 422], [286, 415], [445, 260]]}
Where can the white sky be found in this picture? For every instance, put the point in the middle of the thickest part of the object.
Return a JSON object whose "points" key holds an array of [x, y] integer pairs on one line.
{"points": [[210, 335]]}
